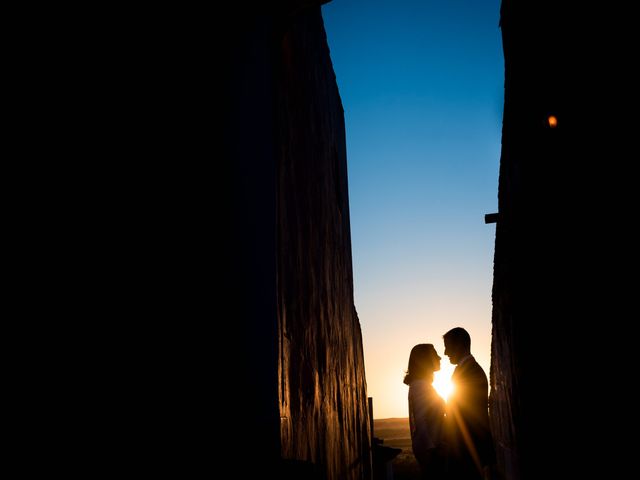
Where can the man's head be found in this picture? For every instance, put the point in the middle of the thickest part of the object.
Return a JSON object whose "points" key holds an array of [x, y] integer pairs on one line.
{"points": [[457, 344]]}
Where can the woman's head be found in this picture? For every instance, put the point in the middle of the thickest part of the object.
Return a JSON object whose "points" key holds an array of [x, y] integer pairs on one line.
{"points": [[423, 361]]}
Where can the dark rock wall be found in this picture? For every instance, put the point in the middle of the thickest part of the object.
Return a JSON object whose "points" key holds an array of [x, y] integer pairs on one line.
{"points": [[323, 402], [250, 325], [304, 404], [561, 244]]}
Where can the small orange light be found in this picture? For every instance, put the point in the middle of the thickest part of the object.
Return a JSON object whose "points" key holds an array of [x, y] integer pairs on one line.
{"points": [[553, 121]]}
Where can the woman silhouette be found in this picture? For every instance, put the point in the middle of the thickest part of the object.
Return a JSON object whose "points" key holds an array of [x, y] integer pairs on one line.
{"points": [[426, 411]]}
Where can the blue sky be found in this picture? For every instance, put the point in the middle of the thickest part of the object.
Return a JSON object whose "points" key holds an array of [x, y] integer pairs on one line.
{"points": [[421, 83]]}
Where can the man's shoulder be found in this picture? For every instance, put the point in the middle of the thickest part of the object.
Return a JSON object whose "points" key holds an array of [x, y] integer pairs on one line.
{"points": [[472, 368]]}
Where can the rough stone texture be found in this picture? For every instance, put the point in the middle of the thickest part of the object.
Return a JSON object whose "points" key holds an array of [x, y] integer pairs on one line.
{"points": [[323, 402], [304, 404], [558, 265]]}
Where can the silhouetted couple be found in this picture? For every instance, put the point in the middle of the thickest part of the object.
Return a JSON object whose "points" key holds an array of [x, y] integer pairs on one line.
{"points": [[450, 441]]}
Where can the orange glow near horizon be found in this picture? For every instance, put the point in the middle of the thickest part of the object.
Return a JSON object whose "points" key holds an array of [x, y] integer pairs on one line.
{"points": [[553, 121]]}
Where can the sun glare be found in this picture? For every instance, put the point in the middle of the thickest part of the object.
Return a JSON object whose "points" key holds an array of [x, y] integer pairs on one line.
{"points": [[442, 379]]}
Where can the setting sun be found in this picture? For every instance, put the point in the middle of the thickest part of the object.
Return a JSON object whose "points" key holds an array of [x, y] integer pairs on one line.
{"points": [[442, 379]]}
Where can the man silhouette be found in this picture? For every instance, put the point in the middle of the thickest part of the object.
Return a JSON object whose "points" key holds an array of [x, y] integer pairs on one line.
{"points": [[470, 444]]}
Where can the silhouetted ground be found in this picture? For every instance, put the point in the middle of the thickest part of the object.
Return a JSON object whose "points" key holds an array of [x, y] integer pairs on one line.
{"points": [[395, 433]]}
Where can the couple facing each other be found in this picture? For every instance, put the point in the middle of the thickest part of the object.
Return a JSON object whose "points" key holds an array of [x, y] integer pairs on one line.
{"points": [[451, 440]]}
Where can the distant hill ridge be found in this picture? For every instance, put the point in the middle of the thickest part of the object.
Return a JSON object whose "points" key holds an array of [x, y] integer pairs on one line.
{"points": [[392, 430]]}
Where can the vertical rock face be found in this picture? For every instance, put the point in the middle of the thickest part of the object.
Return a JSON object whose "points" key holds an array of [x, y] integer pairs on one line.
{"points": [[305, 404], [323, 403], [556, 269]]}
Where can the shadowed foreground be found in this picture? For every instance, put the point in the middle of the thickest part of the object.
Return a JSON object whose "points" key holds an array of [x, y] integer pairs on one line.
{"points": [[395, 433]]}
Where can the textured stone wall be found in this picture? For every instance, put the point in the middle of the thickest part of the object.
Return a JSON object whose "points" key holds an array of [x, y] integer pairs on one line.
{"points": [[323, 401], [302, 390], [557, 294]]}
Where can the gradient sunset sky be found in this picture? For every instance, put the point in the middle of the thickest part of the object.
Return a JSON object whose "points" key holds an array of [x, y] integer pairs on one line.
{"points": [[421, 83]]}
